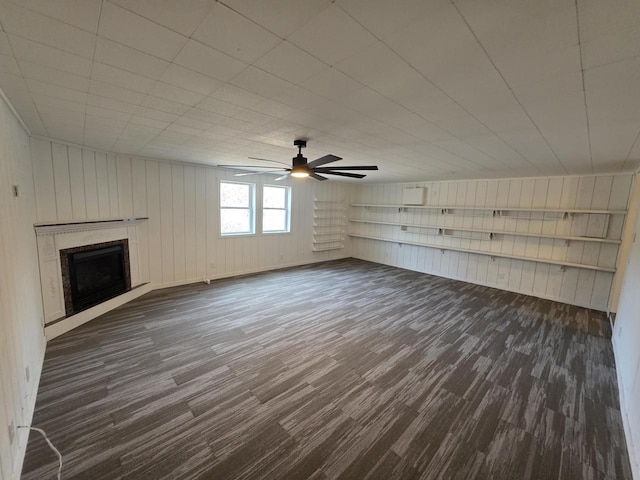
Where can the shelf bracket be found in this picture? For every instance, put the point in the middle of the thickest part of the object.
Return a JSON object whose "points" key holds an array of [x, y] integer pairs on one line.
{"points": [[403, 228], [444, 211], [442, 251], [492, 258], [562, 268]]}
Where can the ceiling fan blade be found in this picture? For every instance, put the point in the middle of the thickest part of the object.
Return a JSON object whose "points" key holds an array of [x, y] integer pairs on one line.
{"points": [[265, 160], [317, 177], [259, 172], [286, 175], [253, 166], [359, 167], [323, 160], [345, 174]]}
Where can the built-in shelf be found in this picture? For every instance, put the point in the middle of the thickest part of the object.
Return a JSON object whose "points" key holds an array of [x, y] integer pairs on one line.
{"points": [[588, 226], [329, 223], [495, 211], [491, 232], [489, 254]]}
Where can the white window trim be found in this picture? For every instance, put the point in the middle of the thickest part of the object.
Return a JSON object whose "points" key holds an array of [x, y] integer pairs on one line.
{"points": [[287, 210], [252, 209]]}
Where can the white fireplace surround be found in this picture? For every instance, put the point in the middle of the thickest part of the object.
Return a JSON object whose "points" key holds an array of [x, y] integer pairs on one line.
{"points": [[53, 237]]}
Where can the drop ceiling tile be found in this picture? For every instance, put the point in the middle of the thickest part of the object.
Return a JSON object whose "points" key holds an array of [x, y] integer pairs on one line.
{"points": [[5, 47], [149, 122], [41, 88], [219, 107], [198, 114], [274, 109], [56, 77], [254, 117], [210, 62], [38, 28], [137, 32], [83, 14], [608, 31], [117, 118], [383, 18], [122, 78], [261, 83], [281, 17], [290, 63], [235, 35], [130, 59], [331, 83], [190, 80], [176, 94], [110, 103], [9, 65], [165, 105], [183, 20], [115, 92], [191, 122], [143, 111], [332, 36], [51, 57]]}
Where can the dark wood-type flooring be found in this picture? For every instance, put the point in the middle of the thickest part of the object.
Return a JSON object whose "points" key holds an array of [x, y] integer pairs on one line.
{"points": [[341, 370]]}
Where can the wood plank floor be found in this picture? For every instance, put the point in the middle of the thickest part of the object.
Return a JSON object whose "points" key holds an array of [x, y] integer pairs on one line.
{"points": [[341, 370]]}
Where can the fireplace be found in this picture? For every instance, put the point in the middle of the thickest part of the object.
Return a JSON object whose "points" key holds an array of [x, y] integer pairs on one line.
{"points": [[92, 274]]}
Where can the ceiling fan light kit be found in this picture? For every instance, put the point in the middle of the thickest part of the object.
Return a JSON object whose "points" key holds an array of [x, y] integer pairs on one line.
{"points": [[301, 169]]}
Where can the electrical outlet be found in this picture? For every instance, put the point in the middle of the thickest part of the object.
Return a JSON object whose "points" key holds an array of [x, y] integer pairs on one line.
{"points": [[12, 433], [212, 265], [501, 276], [26, 373]]}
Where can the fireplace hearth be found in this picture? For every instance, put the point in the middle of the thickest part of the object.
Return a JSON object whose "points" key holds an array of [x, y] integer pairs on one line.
{"points": [[92, 274]]}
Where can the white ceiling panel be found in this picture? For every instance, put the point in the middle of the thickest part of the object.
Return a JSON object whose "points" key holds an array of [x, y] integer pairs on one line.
{"points": [[425, 90], [39, 28], [184, 19], [290, 63], [235, 35], [203, 59], [282, 17], [332, 36], [124, 26]]}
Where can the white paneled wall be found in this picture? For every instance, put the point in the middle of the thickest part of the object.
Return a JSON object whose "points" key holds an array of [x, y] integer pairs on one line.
{"points": [[22, 342], [626, 346], [182, 237], [571, 285]]}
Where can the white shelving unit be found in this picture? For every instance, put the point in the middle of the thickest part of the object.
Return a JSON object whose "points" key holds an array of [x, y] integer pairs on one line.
{"points": [[437, 230], [329, 225]]}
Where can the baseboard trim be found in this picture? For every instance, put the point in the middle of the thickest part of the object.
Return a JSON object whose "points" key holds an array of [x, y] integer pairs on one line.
{"points": [[55, 330], [485, 284]]}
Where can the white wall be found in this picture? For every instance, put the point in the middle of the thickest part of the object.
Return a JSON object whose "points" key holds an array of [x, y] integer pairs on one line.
{"points": [[22, 342], [582, 287], [182, 234], [626, 347]]}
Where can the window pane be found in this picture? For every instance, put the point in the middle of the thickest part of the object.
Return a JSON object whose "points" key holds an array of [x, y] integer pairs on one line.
{"points": [[274, 197], [234, 195], [274, 220], [234, 221]]}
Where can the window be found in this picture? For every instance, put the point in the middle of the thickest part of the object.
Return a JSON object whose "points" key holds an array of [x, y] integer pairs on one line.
{"points": [[276, 209], [237, 208]]}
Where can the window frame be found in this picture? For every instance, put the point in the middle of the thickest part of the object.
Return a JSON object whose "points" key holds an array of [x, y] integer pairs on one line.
{"points": [[286, 209], [251, 208]]}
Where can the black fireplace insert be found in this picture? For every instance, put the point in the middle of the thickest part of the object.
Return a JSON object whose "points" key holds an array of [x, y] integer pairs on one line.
{"points": [[94, 274]]}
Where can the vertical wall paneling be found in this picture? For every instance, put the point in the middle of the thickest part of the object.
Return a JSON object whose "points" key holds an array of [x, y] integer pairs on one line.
{"points": [[518, 234], [190, 222], [22, 341], [62, 181], [179, 252], [76, 177], [43, 179], [125, 187], [90, 179], [112, 181], [154, 241], [166, 224], [102, 179]]}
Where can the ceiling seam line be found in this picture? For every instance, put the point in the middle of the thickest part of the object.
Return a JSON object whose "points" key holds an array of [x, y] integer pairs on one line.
{"points": [[508, 86], [584, 90]]}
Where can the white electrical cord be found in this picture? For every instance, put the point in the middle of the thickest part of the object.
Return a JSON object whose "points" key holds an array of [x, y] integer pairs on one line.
{"points": [[41, 432]]}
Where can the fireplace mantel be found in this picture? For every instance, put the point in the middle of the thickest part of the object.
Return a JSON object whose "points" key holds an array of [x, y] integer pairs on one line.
{"points": [[52, 237]]}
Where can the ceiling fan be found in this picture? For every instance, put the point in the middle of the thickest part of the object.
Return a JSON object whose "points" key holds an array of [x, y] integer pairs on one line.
{"points": [[301, 169]]}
